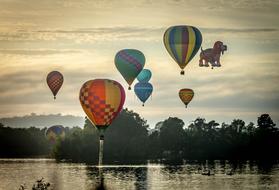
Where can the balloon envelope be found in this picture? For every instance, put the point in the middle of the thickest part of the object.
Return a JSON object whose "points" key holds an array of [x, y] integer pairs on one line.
{"points": [[143, 91], [182, 43], [186, 95], [144, 75], [102, 100], [55, 132], [129, 62], [54, 81]]}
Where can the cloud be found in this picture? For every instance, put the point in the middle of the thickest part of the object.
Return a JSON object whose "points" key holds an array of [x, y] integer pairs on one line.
{"points": [[239, 30], [33, 52], [223, 5], [104, 34]]}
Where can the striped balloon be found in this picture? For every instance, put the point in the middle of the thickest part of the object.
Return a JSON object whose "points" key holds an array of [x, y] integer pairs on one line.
{"points": [[182, 43], [143, 90], [129, 62], [54, 81], [186, 95], [102, 100], [144, 76]]}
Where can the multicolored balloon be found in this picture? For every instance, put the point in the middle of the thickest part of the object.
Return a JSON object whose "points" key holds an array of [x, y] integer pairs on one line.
{"points": [[182, 43], [186, 95], [55, 132], [143, 91], [102, 100], [144, 75], [54, 81], [129, 62]]}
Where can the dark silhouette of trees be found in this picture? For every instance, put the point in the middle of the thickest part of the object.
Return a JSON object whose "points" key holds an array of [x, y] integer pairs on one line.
{"points": [[265, 122], [30, 142], [125, 140], [266, 138], [129, 139], [171, 137]]}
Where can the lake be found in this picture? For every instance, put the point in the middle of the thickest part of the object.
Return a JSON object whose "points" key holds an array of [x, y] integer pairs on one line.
{"points": [[187, 175]]}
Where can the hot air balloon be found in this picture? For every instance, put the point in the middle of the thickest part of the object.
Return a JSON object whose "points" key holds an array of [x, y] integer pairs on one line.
{"points": [[186, 95], [129, 62], [143, 90], [55, 132], [102, 100], [144, 75], [54, 81], [182, 43]]}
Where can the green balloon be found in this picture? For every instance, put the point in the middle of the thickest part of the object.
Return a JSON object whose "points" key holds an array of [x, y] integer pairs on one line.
{"points": [[129, 62]]}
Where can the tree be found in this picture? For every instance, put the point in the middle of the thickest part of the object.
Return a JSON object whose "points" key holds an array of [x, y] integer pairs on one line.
{"points": [[171, 135], [265, 122]]}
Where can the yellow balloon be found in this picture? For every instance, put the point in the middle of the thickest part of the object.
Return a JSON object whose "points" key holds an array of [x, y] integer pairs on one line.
{"points": [[186, 95]]}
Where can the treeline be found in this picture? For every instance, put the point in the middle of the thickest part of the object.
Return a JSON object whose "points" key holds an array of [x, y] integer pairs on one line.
{"points": [[22, 142], [129, 139]]}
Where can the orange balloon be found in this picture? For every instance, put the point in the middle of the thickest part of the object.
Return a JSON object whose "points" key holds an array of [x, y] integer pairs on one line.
{"points": [[186, 95], [102, 100]]}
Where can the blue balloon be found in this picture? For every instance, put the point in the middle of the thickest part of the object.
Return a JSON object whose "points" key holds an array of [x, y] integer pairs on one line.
{"points": [[144, 75], [143, 91]]}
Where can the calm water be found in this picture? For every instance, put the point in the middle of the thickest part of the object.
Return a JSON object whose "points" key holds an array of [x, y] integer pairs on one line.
{"points": [[246, 175]]}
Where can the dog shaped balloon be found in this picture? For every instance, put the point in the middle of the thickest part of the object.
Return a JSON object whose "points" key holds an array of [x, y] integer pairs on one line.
{"points": [[212, 55]]}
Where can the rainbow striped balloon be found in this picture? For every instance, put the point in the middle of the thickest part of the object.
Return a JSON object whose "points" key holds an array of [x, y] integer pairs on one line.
{"points": [[182, 43]]}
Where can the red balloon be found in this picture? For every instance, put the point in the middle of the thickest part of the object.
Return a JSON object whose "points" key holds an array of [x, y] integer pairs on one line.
{"points": [[54, 82], [102, 100]]}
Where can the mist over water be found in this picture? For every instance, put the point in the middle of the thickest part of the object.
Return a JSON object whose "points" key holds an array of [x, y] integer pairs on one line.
{"points": [[187, 175]]}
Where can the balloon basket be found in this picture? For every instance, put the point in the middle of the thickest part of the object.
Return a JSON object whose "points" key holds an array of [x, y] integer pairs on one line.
{"points": [[182, 72]]}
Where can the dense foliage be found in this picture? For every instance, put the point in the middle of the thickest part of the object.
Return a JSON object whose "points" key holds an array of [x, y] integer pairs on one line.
{"points": [[20, 142], [130, 139]]}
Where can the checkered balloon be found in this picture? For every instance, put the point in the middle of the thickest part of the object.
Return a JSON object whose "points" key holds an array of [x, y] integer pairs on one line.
{"points": [[55, 132], [102, 100], [54, 81]]}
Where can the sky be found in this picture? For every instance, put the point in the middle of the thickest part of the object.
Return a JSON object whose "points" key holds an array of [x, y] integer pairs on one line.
{"points": [[81, 38]]}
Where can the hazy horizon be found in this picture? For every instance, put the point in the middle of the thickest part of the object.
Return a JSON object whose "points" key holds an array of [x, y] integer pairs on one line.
{"points": [[80, 39]]}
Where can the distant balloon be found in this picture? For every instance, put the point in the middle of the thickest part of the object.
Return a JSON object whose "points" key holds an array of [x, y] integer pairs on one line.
{"points": [[182, 43], [54, 81], [143, 91], [129, 62], [102, 100], [55, 132], [144, 75], [186, 95]]}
